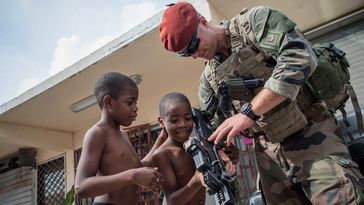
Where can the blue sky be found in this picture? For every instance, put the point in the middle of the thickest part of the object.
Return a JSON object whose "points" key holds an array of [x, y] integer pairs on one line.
{"points": [[39, 38]]}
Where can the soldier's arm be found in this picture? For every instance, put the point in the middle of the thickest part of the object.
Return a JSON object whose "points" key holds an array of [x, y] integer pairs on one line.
{"points": [[295, 63], [207, 98], [295, 58]]}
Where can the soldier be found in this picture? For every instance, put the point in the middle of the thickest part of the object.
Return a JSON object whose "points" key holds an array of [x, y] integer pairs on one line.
{"points": [[301, 154]]}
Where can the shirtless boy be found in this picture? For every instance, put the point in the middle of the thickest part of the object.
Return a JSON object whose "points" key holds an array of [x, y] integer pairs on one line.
{"points": [[109, 168], [181, 183]]}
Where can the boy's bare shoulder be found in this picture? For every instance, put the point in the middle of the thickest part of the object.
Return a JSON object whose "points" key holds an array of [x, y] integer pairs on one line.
{"points": [[161, 150], [96, 133], [166, 152]]}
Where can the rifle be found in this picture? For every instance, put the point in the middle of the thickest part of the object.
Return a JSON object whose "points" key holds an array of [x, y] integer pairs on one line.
{"points": [[236, 89], [209, 163]]}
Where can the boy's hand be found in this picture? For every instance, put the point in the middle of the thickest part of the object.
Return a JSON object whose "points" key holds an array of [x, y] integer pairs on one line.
{"points": [[163, 135], [147, 177], [232, 152], [229, 166], [199, 177]]}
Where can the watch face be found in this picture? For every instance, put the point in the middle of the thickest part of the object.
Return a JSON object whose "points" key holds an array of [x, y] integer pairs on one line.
{"points": [[245, 108]]}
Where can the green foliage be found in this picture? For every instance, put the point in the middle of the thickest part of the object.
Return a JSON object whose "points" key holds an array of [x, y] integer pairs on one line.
{"points": [[70, 197]]}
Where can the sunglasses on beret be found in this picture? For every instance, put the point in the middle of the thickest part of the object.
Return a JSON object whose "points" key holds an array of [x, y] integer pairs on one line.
{"points": [[192, 46]]}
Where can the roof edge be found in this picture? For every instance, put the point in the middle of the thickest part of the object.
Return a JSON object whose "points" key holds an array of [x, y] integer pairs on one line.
{"points": [[105, 51]]}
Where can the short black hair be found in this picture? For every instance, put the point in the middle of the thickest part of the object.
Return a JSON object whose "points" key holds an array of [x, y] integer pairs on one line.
{"points": [[113, 84], [172, 98]]}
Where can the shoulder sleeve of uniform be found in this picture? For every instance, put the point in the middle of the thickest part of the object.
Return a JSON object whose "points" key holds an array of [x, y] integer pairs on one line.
{"points": [[295, 63], [270, 26]]}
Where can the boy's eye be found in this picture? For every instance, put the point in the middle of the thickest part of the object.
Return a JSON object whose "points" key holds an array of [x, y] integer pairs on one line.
{"points": [[173, 121], [130, 103]]}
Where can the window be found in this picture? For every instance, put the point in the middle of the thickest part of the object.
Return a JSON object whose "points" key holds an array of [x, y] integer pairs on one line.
{"points": [[51, 182]]}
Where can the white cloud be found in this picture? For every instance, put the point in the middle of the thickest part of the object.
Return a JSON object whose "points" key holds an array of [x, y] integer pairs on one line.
{"points": [[27, 84], [134, 14], [71, 49], [66, 53]]}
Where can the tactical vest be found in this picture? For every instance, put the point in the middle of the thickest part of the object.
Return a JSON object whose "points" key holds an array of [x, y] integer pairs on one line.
{"points": [[247, 60]]}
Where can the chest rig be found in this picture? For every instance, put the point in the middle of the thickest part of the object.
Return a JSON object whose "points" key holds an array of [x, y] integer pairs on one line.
{"points": [[247, 61]]}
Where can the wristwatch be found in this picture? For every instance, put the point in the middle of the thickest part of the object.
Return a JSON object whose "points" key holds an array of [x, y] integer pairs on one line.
{"points": [[246, 109]]}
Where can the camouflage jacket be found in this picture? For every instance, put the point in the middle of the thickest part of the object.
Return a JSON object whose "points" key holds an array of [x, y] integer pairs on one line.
{"points": [[274, 35]]}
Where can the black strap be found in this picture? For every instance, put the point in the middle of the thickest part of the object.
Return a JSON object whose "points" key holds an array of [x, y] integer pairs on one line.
{"points": [[356, 106], [346, 122]]}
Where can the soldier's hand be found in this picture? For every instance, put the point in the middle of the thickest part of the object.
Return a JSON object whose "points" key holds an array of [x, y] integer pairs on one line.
{"points": [[231, 127]]}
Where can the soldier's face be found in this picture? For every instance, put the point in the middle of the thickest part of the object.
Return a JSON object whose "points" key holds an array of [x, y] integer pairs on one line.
{"points": [[208, 43]]}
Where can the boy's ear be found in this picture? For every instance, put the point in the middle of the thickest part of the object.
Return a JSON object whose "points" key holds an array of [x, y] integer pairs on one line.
{"points": [[107, 101], [160, 122]]}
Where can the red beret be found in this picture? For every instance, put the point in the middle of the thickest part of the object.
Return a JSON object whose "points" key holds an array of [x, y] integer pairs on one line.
{"points": [[178, 25]]}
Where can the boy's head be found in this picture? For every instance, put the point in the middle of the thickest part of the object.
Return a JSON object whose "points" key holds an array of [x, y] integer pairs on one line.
{"points": [[113, 84], [176, 116], [118, 94]]}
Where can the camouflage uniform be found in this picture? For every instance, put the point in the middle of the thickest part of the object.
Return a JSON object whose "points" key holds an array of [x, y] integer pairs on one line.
{"points": [[312, 164]]}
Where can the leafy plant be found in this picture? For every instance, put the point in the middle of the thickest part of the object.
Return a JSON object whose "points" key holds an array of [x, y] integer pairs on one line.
{"points": [[70, 196]]}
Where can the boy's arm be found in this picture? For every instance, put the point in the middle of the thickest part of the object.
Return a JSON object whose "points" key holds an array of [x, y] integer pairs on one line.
{"points": [[147, 160], [169, 184], [87, 184]]}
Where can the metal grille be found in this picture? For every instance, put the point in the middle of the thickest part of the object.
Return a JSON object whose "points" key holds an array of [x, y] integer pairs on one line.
{"points": [[51, 182], [140, 138], [142, 141]]}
